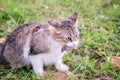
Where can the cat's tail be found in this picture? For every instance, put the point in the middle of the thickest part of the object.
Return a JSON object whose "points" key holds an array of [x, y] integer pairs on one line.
{"points": [[3, 61], [1, 48]]}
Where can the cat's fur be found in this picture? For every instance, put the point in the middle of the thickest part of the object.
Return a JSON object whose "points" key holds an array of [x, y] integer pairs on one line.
{"points": [[40, 45]]}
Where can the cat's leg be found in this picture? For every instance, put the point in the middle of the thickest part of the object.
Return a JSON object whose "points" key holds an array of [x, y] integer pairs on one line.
{"points": [[61, 66], [37, 64]]}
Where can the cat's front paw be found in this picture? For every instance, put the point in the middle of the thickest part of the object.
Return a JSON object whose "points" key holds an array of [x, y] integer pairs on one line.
{"points": [[40, 73], [63, 67]]}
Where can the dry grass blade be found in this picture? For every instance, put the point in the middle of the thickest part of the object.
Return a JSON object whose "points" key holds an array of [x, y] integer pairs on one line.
{"points": [[9, 30], [2, 40], [115, 60]]}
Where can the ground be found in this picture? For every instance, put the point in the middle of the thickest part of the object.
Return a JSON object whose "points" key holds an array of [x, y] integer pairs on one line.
{"points": [[99, 25]]}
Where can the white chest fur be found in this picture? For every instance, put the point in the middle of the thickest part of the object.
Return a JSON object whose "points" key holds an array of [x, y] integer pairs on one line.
{"points": [[48, 58]]}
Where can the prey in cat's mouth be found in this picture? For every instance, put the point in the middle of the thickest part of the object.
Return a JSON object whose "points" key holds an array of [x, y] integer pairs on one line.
{"points": [[41, 45]]}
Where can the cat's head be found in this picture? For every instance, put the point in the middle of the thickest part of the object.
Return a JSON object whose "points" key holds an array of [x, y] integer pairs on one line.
{"points": [[66, 31]]}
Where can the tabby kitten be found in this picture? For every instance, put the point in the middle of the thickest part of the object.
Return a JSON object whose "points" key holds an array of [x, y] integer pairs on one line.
{"points": [[40, 45]]}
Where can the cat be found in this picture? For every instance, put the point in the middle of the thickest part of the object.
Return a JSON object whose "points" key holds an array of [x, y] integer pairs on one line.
{"points": [[40, 45]]}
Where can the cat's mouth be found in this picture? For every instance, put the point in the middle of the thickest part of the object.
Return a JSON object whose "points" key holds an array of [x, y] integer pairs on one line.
{"points": [[68, 48], [73, 44]]}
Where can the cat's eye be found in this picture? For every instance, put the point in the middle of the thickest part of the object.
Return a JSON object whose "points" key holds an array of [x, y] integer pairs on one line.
{"points": [[68, 38]]}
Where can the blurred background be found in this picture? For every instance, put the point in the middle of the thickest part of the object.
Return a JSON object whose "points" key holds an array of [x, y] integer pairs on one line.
{"points": [[99, 25]]}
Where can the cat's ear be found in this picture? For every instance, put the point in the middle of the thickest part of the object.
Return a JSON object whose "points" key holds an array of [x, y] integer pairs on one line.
{"points": [[74, 17], [54, 23]]}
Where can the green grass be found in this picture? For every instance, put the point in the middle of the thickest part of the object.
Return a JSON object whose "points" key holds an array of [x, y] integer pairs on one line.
{"points": [[99, 25]]}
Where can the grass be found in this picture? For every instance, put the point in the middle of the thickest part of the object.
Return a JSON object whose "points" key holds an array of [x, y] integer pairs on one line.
{"points": [[99, 25]]}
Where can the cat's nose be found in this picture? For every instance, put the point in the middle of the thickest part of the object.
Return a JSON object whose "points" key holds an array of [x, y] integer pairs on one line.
{"points": [[75, 43]]}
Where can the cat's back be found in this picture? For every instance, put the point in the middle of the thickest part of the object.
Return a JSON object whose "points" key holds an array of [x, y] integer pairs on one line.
{"points": [[24, 29], [20, 33], [16, 40]]}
